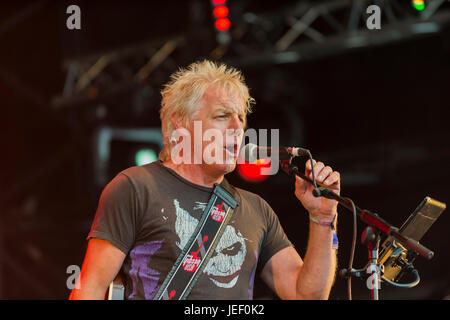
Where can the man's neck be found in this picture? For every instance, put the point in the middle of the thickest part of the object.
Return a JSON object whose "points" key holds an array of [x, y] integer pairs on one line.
{"points": [[194, 173]]}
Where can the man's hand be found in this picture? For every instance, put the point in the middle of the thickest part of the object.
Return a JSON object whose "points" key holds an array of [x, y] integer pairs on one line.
{"points": [[318, 207]]}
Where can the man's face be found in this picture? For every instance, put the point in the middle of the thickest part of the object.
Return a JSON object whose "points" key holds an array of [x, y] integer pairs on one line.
{"points": [[222, 117]]}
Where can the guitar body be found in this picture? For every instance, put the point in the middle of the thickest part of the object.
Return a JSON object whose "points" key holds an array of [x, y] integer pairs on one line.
{"points": [[116, 290]]}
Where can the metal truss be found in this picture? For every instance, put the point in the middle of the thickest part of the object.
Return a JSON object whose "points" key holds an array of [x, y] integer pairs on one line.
{"points": [[298, 31], [106, 74], [315, 29], [356, 11]]}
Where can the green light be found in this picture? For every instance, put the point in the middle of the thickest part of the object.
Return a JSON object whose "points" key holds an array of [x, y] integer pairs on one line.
{"points": [[145, 156], [419, 5]]}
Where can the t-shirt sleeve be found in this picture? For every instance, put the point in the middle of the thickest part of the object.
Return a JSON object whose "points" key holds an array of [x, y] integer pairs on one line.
{"points": [[275, 239], [116, 217]]}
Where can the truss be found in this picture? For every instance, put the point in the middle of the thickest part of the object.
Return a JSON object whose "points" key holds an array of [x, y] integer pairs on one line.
{"points": [[106, 74], [315, 29], [299, 31]]}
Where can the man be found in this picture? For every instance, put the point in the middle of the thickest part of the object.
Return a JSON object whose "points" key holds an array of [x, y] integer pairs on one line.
{"points": [[147, 214]]}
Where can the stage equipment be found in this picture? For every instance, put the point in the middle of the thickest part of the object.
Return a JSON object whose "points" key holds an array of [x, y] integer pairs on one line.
{"points": [[399, 242]]}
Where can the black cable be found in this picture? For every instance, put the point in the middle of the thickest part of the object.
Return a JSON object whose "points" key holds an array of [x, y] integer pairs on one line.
{"points": [[312, 171], [352, 252], [405, 285], [355, 232]]}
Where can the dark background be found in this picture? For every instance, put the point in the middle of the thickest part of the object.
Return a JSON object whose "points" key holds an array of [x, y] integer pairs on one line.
{"points": [[378, 114]]}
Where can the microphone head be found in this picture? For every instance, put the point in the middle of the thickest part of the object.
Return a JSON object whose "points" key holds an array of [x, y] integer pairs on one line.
{"points": [[250, 153]]}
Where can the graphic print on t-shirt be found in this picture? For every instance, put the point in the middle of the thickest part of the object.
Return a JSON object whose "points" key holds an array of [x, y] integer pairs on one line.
{"points": [[140, 270], [225, 264]]}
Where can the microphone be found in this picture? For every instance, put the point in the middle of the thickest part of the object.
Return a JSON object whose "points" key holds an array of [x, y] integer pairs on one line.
{"points": [[251, 152]]}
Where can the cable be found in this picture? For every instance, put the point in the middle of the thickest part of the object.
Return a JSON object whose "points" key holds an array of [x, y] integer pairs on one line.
{"points": [[312, 171], [355, 234], [405, 285], [355, 231], [352, 252]]}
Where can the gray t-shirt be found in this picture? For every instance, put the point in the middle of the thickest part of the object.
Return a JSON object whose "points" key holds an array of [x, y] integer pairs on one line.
{"points": [[150, 212]]}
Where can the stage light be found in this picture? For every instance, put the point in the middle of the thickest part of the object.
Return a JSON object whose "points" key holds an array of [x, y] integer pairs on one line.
{"points": [[116, 149], [419, 5], [252, 171], [145, 156], [220, 12], [222, 22]]}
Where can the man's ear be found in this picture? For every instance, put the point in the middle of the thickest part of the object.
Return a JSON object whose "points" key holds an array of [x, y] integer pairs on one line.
{"points": [[175, 119]]}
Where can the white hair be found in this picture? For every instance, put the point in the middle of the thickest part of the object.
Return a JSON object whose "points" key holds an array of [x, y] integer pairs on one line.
{"points": [[182, 94]]}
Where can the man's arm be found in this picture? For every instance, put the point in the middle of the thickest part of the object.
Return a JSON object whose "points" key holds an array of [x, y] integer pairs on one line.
{"points": [[318, 272], [101, 265], [286, 273], [292, 278]]}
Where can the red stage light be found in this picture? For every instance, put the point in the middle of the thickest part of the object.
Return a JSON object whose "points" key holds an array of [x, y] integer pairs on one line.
{"points": [[252, 171], [218, 2], [222, 24], [221, 12]]}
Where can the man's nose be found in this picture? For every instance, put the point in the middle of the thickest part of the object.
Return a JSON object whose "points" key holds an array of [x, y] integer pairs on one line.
{"points": [[235, 123]]}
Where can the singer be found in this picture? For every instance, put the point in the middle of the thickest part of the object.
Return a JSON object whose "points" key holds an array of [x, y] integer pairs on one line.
{"points": [[147, 214]]}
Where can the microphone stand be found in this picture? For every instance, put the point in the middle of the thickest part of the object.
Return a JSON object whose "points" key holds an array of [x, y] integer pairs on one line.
{"points": [[372, 240], [371, 236]]}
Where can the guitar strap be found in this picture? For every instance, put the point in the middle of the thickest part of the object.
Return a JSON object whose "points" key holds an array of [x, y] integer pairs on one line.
{"points": [[200, 247]]}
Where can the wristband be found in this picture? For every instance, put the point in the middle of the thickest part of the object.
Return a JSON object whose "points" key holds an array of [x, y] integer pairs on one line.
{"points": [[331, 225], [324, 223]]}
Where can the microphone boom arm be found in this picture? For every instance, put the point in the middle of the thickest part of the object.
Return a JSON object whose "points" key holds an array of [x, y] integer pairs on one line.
{"points": [[366, 216]]}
